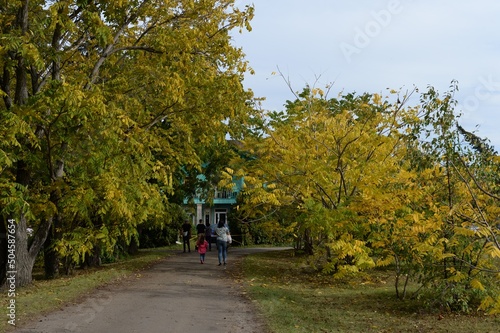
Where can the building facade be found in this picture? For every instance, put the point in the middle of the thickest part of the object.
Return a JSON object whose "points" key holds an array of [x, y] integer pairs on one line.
{"points": [[216, 208]]}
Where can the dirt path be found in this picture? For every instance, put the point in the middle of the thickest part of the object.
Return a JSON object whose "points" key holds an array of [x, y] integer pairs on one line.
{"points": [[178, 295]]}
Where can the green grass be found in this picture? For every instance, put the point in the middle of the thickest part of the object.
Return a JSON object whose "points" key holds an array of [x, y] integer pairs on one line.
{"points": [[293, 299], [290, 298], [43, 296]]}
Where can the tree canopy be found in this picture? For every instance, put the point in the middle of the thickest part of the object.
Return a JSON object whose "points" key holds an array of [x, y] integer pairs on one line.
{"points": [[103, 103], [111, 108], [366, 182]]}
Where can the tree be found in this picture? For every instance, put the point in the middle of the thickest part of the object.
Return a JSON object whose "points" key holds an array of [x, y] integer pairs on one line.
{"points": [[466, 207], [336, 162], [105, 101], [367, 182]]}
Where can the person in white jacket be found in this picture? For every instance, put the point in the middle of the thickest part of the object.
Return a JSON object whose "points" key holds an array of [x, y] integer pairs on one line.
{"points": [[221, 231]]}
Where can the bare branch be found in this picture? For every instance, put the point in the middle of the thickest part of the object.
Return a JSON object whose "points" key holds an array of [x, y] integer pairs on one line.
{"points": [[141, 48], [476, 204]]}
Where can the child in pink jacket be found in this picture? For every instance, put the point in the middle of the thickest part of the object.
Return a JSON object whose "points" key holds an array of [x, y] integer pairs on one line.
{"points": [[202, 245]]}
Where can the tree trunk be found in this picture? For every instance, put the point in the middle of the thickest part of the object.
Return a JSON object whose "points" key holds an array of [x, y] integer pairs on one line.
{"points": [[93, 259], [26, 255], [23, 260], [21, 93], [308, 243], [133, 247], [51, 258]]}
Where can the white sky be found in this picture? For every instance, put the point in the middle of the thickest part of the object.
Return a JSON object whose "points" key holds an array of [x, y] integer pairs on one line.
{"points": [[370, 45]]}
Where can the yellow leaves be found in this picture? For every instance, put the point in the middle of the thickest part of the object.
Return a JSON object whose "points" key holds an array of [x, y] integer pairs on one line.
{"points": [[174, 87], [476, 284], [119, 3], [265, 197], [347, 246], [317, 91], [126, 120], [111, 194], [418, 229], [492, 250], [271, 186], [158, 166], [388, 260], [456, 276], [490, 304], [467, 231]]}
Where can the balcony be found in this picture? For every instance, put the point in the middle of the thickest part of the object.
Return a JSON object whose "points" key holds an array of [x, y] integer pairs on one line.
{"points": [[225, 194], [225, 197]]}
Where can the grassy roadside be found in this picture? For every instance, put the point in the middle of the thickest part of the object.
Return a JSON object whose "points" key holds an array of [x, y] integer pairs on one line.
{"points": [[47, 295], [292, 300]]}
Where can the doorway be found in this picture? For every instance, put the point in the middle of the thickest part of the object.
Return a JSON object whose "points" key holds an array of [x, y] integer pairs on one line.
{"points": [[220, 215]]}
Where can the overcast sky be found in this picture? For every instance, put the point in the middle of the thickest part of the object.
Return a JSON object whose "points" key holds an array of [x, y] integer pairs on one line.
{"points": [[370, 45]]}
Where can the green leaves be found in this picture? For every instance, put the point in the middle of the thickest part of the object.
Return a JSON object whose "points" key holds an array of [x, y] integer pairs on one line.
{"points": [[113, 99]]}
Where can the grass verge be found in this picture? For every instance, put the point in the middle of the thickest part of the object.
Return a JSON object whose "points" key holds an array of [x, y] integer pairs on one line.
{"points": [[44, 296], [294, 300]]}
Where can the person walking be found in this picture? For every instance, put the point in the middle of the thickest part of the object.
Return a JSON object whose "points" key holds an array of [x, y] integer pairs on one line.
{"points": [[208, 235], [222, 232], [186, 235], [202, 245], [200, 227]]}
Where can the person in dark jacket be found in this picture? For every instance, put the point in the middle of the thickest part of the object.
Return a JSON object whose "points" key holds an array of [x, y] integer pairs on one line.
{"points": [[208, 235], [200, 228], [186, 235]]}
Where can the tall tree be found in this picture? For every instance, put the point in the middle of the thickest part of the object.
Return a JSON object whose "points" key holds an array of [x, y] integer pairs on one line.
{"points": [[367, 182], [464, 194], [108, 100], [335, 160]]}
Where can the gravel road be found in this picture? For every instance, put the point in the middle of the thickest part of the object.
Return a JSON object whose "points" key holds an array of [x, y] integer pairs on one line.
{"points": [[178, 295]]}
